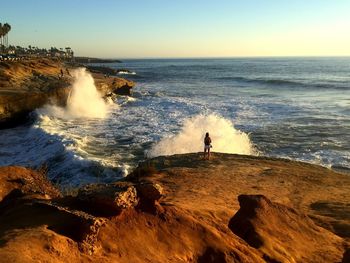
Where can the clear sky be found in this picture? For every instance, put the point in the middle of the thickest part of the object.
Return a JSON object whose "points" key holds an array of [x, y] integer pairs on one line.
{"points": [[182, 28]]}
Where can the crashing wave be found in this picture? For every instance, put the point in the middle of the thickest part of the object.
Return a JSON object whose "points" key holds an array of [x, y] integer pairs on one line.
{"points": [[225, 137]]}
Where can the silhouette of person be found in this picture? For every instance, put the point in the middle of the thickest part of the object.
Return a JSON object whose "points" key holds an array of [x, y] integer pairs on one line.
{"points": [[207, 146]]}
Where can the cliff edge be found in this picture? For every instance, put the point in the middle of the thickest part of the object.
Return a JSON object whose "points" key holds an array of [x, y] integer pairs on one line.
{"points": [[181, 208], [29, 84]]}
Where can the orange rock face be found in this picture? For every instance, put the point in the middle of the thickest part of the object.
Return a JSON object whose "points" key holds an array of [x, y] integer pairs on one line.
{"points": [[30, 84], [184, 209], [282, 233]]}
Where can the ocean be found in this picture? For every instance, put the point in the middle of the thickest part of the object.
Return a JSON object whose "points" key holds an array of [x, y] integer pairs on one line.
{"points": [[294, 108]]}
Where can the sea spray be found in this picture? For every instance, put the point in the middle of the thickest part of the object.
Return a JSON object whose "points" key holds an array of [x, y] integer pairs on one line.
{"points": [[84, 100], [224, 136]]}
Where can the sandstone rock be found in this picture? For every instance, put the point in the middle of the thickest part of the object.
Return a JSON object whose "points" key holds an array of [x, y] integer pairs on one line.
{"points": [[29, 84], [112, 85], [108, 199], [150, 191], [77, 225], [192, 227], [26, 181], [282, 233]]}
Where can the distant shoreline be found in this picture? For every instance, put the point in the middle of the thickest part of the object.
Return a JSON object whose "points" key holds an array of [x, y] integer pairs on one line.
{"points": [[95, 60], [227, 58]]}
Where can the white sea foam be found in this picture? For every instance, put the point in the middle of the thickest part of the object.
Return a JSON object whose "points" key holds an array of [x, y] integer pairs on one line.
{"points": [[131, 99], [80, 150], [225, 138], [84, 100], [126, 72]]}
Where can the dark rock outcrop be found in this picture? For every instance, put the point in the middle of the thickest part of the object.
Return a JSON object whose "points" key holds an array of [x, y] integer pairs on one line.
{"points": [[102, 70], [282, 233], [111, 86], [108, 71], [346, 256]]}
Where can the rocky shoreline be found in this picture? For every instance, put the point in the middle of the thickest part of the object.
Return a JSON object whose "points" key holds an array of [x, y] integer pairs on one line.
{"points": [[181, 208], [29, 84]]}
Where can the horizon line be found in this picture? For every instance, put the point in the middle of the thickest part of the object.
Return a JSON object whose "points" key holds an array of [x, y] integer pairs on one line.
{"points": [[223, 57]]}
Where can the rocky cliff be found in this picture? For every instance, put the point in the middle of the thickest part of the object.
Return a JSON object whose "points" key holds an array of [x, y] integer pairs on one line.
{"points": [[181, 209], [29, 84]]}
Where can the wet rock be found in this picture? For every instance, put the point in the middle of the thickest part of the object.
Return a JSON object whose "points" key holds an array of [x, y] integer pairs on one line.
{"points": [[108, 199], [283, 234], [109, 86], [123, 90], [102, 69]]}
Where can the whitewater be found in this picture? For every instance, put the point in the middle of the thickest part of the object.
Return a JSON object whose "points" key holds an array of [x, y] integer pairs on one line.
{"points": [[296, 109]]}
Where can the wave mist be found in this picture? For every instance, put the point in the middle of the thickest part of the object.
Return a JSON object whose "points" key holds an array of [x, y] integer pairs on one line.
{"points": [[84, 100], [225, 138]]}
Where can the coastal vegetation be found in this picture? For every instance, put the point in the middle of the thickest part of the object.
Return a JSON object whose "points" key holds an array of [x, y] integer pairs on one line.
{"points": [[12, 51], [15, 51], [4, 30]]}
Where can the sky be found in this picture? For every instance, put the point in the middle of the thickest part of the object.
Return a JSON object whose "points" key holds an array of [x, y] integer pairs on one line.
{"points": [[182, 28]]}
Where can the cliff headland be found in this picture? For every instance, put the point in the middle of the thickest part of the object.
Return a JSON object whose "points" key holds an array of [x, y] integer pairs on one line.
{"points": [[29, 84], [181, 208]]}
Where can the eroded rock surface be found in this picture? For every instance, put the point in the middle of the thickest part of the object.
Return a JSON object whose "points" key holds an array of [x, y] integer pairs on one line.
{"points": [[282, 233], [178, 209], [108, 199], [26, 182]]}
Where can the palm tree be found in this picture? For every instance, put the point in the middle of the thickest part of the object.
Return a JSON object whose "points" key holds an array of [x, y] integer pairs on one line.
{"points": [[1, 35], [4, 30], [7, 28]]}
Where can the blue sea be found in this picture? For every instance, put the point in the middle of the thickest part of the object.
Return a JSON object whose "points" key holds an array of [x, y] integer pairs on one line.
{"points": [[294, 108]]}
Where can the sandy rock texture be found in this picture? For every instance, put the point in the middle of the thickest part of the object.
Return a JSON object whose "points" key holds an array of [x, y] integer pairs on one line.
{"points": [[181, 209]]}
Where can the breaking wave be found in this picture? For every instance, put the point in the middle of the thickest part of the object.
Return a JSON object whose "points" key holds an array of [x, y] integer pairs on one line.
{"points": [[225, 138], [84, 100]]}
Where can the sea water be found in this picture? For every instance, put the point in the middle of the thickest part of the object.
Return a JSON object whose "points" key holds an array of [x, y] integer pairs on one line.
{"points": [[295, 108]]}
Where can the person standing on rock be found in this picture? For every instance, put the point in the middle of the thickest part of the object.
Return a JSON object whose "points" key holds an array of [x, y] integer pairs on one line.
{"points": [[207, 146]]}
